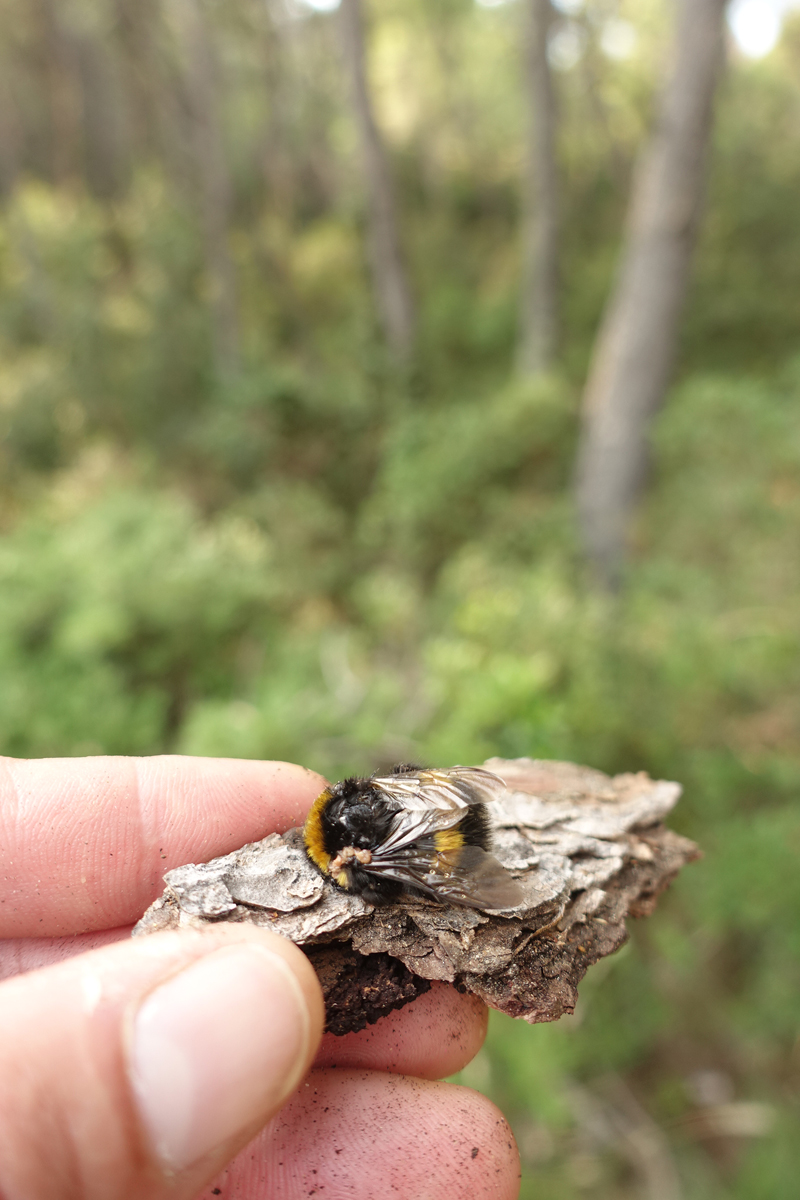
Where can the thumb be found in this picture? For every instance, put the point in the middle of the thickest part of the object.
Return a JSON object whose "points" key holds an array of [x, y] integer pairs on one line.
{"points": [[139, 1069]]}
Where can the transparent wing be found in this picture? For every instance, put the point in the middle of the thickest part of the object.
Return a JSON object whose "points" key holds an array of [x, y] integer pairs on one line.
{"points": [[468, 876], [448, 790], [429, 801]]}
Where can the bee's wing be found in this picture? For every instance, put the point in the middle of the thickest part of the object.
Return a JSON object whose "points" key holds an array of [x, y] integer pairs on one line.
{"points": [[428, 801], [451, 790], [470, 876]]}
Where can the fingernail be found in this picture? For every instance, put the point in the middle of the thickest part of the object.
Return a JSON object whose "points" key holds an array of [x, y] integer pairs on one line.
{"points": [[215, 1048]]}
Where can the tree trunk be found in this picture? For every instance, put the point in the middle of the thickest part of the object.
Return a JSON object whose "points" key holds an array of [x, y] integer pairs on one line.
{"points": [[215, 186], [66, 143], [392, 293], [10, 132], [539, 301], [136, 25], [107, 153], [636, 345]]}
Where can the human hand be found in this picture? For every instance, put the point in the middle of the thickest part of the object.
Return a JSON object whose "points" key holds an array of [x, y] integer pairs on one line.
{"points": [[138, 1068]]}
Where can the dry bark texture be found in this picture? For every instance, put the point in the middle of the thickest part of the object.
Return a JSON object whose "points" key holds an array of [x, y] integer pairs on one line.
{"points": [[589, 851]]}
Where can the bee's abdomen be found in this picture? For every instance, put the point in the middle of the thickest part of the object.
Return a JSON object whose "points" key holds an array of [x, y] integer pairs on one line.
{"points": [[475, 827]]}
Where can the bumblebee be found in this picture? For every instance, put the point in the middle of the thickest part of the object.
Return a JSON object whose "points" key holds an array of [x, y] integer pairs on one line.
{"points": [[414, 831]]}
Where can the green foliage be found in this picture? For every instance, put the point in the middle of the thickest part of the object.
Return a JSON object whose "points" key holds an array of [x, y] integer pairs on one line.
{"points": [[318, 559], [116, 610]]}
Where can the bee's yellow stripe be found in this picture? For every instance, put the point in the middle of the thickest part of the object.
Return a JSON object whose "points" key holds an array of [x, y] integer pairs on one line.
{"points": [[448, 841], [312, 832]]}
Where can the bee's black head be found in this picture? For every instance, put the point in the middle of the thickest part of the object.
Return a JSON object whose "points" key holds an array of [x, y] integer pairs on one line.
{"points": [[356, 815]]}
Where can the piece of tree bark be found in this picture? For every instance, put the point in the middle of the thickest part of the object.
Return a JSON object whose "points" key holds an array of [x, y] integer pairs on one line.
{"points": [[539, 299], [588, 850], [390, 284], [635, 348]]}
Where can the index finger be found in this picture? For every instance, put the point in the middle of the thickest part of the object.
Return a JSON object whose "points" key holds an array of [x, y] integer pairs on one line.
{"points": [[84, 842]]}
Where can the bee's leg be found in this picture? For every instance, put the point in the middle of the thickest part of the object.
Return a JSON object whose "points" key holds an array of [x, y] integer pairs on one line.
{"points": [[374, 888]]}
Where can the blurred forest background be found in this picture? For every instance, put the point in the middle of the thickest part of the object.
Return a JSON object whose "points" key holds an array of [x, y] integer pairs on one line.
{"points": [[233, 522]]}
